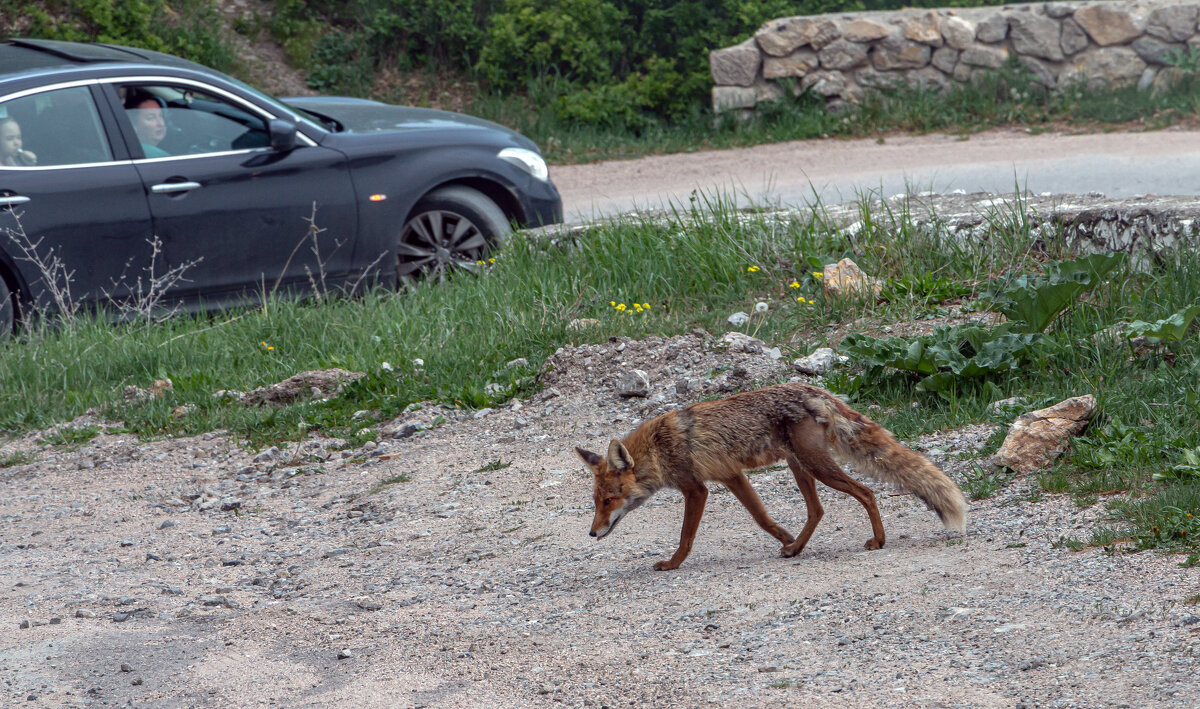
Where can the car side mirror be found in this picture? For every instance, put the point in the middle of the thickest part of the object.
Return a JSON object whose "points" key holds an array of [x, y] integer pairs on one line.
{"points": [[283, 135]]}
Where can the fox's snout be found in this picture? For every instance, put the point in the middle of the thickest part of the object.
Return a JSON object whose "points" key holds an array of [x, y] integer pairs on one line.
{"points": [[592, 533]]}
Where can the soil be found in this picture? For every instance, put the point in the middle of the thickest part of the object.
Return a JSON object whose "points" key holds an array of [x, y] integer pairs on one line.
{"points": [[450, 565]]}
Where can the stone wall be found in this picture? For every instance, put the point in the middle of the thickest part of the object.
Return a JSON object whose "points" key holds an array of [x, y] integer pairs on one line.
{"points": [[1062, 43]]}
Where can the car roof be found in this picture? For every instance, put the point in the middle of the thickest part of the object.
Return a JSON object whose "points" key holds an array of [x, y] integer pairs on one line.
{"points": [[20, 56]]}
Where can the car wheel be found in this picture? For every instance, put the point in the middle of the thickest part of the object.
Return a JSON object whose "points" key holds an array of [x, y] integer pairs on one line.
{"points": [[6, 310], [450, 229]]}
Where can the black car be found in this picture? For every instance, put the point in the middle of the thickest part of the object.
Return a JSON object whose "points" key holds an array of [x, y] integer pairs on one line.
{"points": [[123, 170]]}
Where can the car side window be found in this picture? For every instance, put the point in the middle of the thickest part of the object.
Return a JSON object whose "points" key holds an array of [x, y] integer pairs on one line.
{"points": [[51, 128], [178, 120]]}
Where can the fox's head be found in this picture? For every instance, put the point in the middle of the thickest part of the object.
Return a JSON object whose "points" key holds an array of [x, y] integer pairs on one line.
{"points": [[617, 491]]}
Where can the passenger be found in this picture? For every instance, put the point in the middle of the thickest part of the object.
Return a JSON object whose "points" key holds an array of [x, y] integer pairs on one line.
{"points": [[12, 152], [146, 113]]}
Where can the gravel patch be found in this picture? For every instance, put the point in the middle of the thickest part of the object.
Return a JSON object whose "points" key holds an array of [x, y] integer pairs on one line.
{"points": [[191, 572]]}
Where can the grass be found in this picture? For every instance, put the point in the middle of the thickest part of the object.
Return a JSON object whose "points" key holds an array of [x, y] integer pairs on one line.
{"points": [[693, 268], [1005, 97]]}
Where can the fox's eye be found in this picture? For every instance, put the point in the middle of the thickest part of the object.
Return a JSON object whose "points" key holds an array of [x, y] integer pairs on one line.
{"points": [[607, 500]]}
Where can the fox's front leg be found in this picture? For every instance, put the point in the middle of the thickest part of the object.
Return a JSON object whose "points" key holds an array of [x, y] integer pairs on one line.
{"points": [[693, 508]]}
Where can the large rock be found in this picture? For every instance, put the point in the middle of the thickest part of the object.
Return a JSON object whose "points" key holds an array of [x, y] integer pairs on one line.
{"points": [[728, 98], [633, 382], [864, 30], [944, 59], [988, 57], [827, 83], [1037, 438], [924, 29], [796, 64], [845, 278], [1173, 24], [1043, 73], [993, 29], [1073, 38], [895, 52], [735, 66], [1155, 51], [819, 362], [1100, 68], [780, 38], [958, 33], [1107, 24], [843, 54], [1035, 35]]}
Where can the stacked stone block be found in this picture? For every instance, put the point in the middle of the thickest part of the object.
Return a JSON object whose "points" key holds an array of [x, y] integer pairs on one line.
{"points": [[1063, 44]]}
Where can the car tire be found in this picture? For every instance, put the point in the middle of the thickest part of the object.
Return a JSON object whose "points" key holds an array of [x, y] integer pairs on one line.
{"points": [[7, 310], [449, 229]]}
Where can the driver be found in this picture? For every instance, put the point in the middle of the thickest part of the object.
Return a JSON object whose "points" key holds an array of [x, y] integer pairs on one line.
{"points": [[145, 111]]}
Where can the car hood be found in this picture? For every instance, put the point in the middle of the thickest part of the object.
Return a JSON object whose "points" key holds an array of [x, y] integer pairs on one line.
{"points": [[358, 115]]}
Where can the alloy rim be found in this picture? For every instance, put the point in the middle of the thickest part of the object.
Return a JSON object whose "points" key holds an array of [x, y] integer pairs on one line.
{"points": [[437, 242]]}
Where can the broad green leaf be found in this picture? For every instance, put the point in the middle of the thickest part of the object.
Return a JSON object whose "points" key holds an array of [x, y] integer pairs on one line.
{"points": [[1172, 329]]}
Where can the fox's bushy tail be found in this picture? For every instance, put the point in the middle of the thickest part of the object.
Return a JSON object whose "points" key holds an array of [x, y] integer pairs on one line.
{"points": [[876, 453]]}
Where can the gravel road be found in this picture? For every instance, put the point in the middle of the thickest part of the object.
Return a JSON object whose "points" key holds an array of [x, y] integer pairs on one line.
{"points": [[1115, 164], [452, 568]]}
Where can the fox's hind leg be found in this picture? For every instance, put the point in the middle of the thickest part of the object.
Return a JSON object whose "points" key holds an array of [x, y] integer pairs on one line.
{"points": [[741, 488], [808, 487], [808, 441]]}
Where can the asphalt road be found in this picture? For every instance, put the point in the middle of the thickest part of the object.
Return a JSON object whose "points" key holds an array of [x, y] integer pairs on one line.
{"points": [[793, 174]]}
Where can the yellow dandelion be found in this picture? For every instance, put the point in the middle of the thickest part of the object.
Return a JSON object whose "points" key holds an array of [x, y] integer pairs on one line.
{"points": [[270, 347], [264, 344], [794, 284]]}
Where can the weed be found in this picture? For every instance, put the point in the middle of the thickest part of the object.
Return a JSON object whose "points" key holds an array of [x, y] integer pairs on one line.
{"points": [[389, 481], [494, 465], [70, 438], [982, 482], [16, 458]]}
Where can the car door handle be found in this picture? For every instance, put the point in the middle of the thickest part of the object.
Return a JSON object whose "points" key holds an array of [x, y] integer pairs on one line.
{"points": [[172, 187], [12, 201]]}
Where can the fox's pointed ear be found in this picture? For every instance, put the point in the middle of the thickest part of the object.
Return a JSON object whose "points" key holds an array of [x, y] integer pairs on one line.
{"points": [[618, 456], [588, 457]]}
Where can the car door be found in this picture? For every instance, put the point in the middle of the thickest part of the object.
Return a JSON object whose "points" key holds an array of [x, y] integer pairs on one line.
{"points": [[74, 222], [241, 218]]}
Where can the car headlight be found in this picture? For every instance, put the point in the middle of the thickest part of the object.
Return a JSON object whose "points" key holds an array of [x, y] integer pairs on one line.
{"points": [[527, 160]]}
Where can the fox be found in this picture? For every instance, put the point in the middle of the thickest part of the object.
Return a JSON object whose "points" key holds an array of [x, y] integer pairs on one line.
{"points": [[716, 441]]}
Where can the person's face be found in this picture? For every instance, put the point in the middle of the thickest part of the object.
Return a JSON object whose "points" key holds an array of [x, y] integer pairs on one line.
{"points": [[10, 139], [148, 122]]}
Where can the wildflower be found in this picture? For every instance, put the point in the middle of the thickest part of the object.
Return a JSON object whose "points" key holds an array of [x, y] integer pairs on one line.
{"points": [[638, 307], [760, 307], [752, 269], [479, 262], [491, 260], [418, 362], [794, 284], [386, 366], [621, 307], [647, 307], [818, 274], [612, 303]]}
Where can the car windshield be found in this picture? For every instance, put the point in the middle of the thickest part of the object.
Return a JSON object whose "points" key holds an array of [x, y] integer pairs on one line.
{"points": [[279, 107]]}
